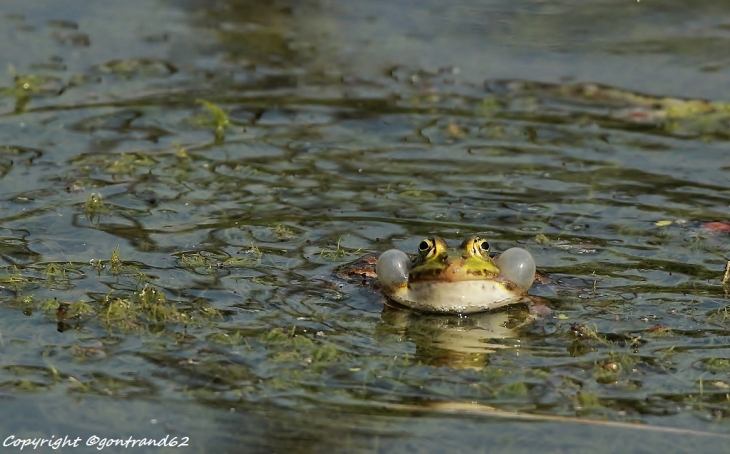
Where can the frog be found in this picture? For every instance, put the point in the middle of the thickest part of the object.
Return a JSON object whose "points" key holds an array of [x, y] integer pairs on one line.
{"points": [[465, 280]]}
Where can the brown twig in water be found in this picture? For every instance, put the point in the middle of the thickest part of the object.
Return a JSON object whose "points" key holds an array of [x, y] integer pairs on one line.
{"points": [[461, 408]]}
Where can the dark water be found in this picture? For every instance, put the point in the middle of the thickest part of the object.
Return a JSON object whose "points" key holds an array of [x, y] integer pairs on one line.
{"points": [[168, 266]]}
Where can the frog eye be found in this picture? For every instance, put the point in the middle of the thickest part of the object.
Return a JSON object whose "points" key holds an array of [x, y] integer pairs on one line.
{"points": [[427, 248], [478, 246], [484, 246], [425, 245]]}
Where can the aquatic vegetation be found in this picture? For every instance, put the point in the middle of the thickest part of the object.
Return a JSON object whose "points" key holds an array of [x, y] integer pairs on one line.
{"points": [[138, 309], [284, 232], [337, 253], [152, 304], [119, 312], [587, 402], [198, 261], [94, 207], [659, 331], [717, 365], [248, 258], [93, 351], [208, 263], [218, 118], [225, 338], [130, 164], [15, 280], [54, 272]]}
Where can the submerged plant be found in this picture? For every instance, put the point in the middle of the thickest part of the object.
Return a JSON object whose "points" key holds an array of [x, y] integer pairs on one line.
{"points": [[14, 279], [250, 257], [586, 402], [115, 261], [283, 232], [130, 164], [219, 118], [94, 207], [153, 304], [197, 261], [716, 365], [337, 253]]}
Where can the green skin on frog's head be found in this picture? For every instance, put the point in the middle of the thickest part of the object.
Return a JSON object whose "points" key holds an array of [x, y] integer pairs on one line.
{"points": [[463, 281]]}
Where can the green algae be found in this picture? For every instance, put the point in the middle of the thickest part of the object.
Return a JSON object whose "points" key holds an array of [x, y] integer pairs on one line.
{"points": [[218, 118]]}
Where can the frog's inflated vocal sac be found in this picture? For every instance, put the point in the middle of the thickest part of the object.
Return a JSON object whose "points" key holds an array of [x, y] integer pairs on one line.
{"points": [[463, 281]]}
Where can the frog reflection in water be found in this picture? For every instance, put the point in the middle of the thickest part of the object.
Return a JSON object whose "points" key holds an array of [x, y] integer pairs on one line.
{"points": [[464, 281]]}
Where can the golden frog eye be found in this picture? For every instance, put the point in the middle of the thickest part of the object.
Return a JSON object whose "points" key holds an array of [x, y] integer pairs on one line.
{"points": [[484, 246], [426, 248], [479, 247]]}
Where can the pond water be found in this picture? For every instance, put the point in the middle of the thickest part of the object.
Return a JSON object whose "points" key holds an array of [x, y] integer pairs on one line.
{"points": [[182, 180]]}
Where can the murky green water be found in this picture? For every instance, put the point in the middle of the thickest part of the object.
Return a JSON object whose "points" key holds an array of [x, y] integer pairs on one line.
{"points": [[168, 269]]}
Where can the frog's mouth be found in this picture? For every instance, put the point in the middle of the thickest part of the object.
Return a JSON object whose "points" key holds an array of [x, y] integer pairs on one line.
{"points": [[462, 297]]}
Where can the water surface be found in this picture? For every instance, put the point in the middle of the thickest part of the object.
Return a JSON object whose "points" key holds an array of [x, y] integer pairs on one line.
{"points": [[181, 179]]}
